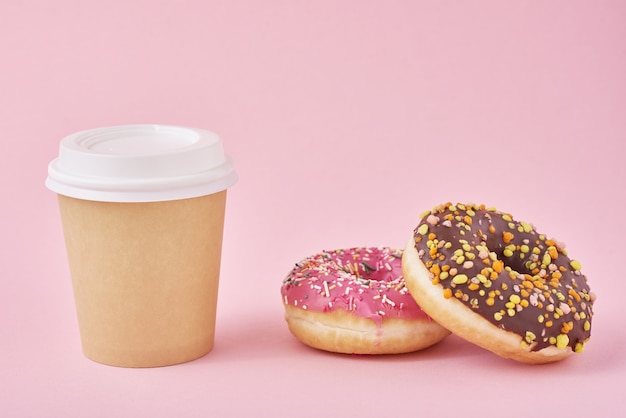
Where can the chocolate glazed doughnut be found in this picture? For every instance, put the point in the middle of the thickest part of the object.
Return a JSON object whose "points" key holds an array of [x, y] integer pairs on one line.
{"points": [[498, 283]]}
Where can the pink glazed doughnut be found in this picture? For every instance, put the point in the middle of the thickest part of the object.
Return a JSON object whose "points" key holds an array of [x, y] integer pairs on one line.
{"points": [[355, 301]]}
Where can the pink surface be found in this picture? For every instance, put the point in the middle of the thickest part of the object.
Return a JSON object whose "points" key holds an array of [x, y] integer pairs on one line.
{"points": [[345, 120]]}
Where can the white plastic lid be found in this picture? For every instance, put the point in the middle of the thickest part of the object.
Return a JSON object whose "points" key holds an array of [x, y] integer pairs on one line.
{"points": [[140, 163]]}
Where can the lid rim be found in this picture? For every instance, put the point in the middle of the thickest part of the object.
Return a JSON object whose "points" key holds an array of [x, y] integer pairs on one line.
{"points": [[149, 165]]}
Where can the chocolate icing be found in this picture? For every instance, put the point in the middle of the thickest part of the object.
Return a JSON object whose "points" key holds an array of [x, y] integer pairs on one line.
{"points": [[507, 272]]}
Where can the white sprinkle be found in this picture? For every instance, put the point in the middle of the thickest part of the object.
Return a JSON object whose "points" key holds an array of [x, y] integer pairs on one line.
{"points": [[389, 301], [326, 291]]}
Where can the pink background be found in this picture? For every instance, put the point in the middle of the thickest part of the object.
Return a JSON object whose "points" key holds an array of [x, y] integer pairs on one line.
{"points": [[346, 120]]}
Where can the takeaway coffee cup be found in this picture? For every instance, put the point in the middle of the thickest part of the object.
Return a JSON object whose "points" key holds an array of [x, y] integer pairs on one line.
{"points": [[142, 208]]}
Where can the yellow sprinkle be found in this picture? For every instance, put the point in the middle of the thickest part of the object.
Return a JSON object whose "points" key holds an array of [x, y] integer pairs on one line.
{"points": [[515, 299], [460, 279], [579, 348], [562, 341], [575, 265], [423, 229], [507, 252], [497, 316], [587, 326], [554, 254]]}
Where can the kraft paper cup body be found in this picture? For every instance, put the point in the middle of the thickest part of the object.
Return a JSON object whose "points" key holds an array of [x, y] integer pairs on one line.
{"points": [[142, 208]]}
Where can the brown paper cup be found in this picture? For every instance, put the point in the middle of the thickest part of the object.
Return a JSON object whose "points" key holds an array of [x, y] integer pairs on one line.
{"points": [[145, 277], [142, 208]]}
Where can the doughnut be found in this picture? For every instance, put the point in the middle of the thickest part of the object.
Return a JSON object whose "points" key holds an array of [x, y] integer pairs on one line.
{"points": [[498, 283], [355, 301]]}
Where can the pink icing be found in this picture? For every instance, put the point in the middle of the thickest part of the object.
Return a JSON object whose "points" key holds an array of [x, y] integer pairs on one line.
{"points": [[366, 281]]}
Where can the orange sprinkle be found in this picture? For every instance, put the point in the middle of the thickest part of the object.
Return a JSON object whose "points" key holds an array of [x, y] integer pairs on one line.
{"points": [[507, 237], [473, 286], [498, 266], [567, 327], [554, 254], [467, 219], [556, 275], [574, 294], [432, 236], [447, 293], [492, 229]]}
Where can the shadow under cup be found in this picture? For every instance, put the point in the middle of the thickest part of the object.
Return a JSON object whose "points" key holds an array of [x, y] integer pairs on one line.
{"points": [[145, 271]]}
